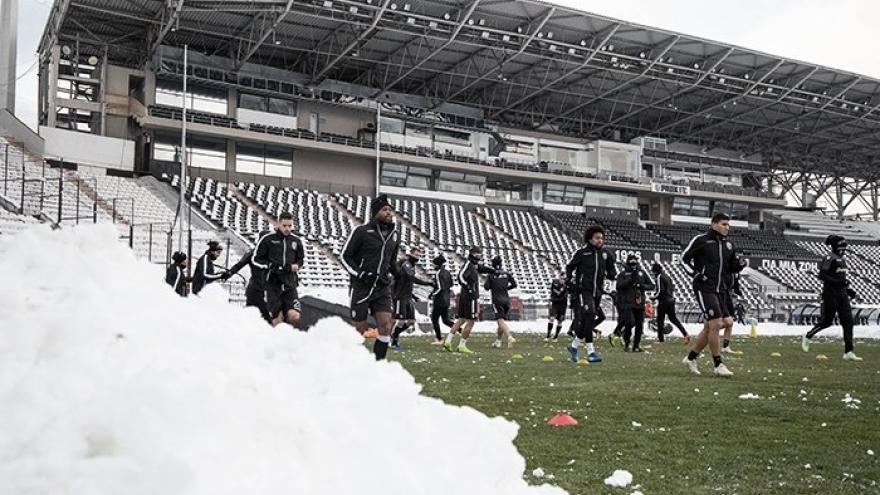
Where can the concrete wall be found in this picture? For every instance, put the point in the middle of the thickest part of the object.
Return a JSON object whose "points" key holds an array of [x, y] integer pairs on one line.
{"points": [[334, 169], [88, 149]]}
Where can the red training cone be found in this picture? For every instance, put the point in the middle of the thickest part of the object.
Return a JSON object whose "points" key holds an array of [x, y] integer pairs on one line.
{"points": [[562, 419]]}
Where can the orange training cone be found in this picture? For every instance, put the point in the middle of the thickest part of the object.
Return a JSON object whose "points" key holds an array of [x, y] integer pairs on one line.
{"points": [[562, 418]]}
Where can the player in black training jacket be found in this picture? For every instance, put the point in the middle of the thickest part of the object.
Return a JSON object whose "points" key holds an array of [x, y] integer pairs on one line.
{"points": [[585, 274], [205, 271], [255, 291], [175, 275], [281, 254], [404, 309], [836, 297], [440, 298], [664, 298], [468, 300], [558, 305], [631, 286], [369, 256], [499, 284], [710, 258]]}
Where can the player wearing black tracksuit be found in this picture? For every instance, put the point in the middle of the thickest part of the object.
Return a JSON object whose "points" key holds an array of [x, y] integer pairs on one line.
{"points": [[255, 291], [468, 299], [664, 297], [440, 298], [558, 306], [281, 255], [206, 272], [404, 281], [836, 297], [586, 272], [710, 259], [369, 256], [175, 275], [631, 286], [499, 284]]}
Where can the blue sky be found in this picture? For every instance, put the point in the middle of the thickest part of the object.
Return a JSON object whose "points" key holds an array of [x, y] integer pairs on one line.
{"points": [[837, 34]]}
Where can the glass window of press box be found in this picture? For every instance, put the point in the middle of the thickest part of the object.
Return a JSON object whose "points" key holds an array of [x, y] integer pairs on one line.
{"points": [[267, 104], [507, 191], [450, 136], [691, 207], [258, 159], [608, 199], [198, 98], [736, 211], [201, 152], [393, 126], [397, 175], [564, 194], [461, 183]]}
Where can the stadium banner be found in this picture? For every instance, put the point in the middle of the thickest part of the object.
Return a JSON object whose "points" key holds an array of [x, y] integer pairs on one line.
{"points": [[800, 266], [678, 190]]}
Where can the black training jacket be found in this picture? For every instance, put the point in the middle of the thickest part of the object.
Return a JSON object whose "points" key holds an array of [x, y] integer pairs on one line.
{"points": [[205, 273], [176, 278], [499, 283], [442, 287], [631, 287], [712, 256], [832, 273], [275, 253], [469, 277], [591, 267], [370, 253], [664, 291], [405, 279], [557, 292]]}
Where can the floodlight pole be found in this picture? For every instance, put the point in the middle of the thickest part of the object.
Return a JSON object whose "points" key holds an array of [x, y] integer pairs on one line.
{"points": [[378, 142], [183, 158]]}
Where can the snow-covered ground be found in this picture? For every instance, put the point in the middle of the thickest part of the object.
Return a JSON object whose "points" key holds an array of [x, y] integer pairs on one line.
{"points": [[110, 384]]}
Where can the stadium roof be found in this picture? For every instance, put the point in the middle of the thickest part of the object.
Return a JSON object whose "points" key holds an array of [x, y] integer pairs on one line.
{"points": [[527, 64]]}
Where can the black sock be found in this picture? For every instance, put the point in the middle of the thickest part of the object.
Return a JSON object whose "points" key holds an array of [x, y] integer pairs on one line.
{"points": [[549, 328], [380, 349], [558, 329], [693, 355], [716, 360], [726, 343]]}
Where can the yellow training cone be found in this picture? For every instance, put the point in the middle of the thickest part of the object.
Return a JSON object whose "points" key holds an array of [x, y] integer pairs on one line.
{"points": [[821, 357], [547, 358], [516, 356], [583, 361], [775, 354]]}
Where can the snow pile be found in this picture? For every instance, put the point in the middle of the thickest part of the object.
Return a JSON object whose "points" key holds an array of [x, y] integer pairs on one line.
{"points": [[110, 383], [619, 478]]}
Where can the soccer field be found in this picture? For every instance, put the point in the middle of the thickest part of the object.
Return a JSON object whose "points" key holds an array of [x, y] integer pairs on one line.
{"points": [[813, 428]]}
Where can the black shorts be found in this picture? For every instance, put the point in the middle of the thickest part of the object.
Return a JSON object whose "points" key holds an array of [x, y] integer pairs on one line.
{"points": [[728, 303], [502, 310], [468, 307], [256, 298], [558, 310], [712, 304], [281, 299], [404, 310], [369, 300]]}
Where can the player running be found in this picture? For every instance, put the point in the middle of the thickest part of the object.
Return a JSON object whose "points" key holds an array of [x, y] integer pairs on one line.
{"points": [[281, 255], [631, 286], [586, 273], [468, 300], [499, 284], [664, 297], [440, 297], [175, 276], [558, 306], [404, 309], [206, 272]]}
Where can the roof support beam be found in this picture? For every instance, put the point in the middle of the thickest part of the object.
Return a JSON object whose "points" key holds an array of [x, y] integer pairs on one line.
{"points": [[462, 20], [544, 19], [671, 97], [354, 43], [765, 106], [784, 122], [170, 15], [264, 35], [589, 58], [615, 89]]}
